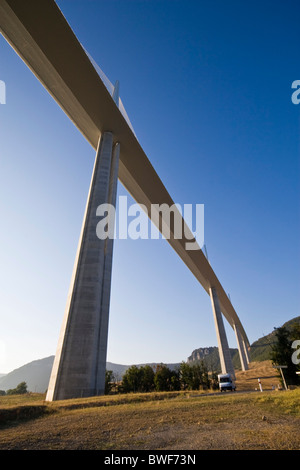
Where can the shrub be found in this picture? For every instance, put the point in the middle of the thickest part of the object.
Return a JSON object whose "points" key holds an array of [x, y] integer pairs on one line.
{"points": [[19, 390]]}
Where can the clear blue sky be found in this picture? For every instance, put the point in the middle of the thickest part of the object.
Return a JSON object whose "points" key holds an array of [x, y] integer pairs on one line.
{"points": [[207, 87]]}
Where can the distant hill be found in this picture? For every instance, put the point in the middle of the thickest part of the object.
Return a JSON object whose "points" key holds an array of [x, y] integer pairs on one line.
{"points": [[37, 373], [261, 349], [201, 353], [210, 357]]}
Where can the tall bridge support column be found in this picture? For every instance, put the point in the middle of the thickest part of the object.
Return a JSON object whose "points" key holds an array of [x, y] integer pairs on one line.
{"points": [[241, 348], [80, 361], [224, 352], [246, 352]]}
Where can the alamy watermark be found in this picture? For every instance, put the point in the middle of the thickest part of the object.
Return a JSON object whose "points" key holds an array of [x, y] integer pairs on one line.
{"points": [[132, 221], [2, 92], [296, 354], [296, 94]]}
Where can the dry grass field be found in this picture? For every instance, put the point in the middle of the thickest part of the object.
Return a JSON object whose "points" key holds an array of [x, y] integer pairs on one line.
{"points": [[248, 380], [158, 421]]}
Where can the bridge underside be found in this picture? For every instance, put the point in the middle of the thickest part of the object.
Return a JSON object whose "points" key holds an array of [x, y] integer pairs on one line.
{"points": [[40, 35]]}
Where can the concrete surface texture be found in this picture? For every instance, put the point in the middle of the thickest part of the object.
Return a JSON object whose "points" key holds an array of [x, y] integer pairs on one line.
{"points": [[80, 361]]}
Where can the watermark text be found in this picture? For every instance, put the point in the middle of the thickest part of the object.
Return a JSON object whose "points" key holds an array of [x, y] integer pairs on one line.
{"points": [[296, 94], [296, 354], [135, 221]]}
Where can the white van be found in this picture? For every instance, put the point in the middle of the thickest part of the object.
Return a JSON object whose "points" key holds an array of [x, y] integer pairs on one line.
{"points": [[226, 382]]}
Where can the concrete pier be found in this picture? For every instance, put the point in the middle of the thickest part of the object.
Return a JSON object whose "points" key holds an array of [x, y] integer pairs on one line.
{"points": [[225, 357], [246, 351], [80, 361], [241, 348], [79, 366]]}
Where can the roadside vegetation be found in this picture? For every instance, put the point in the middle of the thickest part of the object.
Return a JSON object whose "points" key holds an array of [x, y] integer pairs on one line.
{"points": [[282, 353], [188, 376]]}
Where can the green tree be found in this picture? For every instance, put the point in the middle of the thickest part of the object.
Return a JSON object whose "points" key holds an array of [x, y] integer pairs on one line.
{"points": [[131, 379], [281, 354], [295, 332], [174, 380], [185, 374], [19, 390], [109, 380], [214, 383], [205, 381], [138, 379], [194, 376], [166, 379], [161, 378], [146, 378]]}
